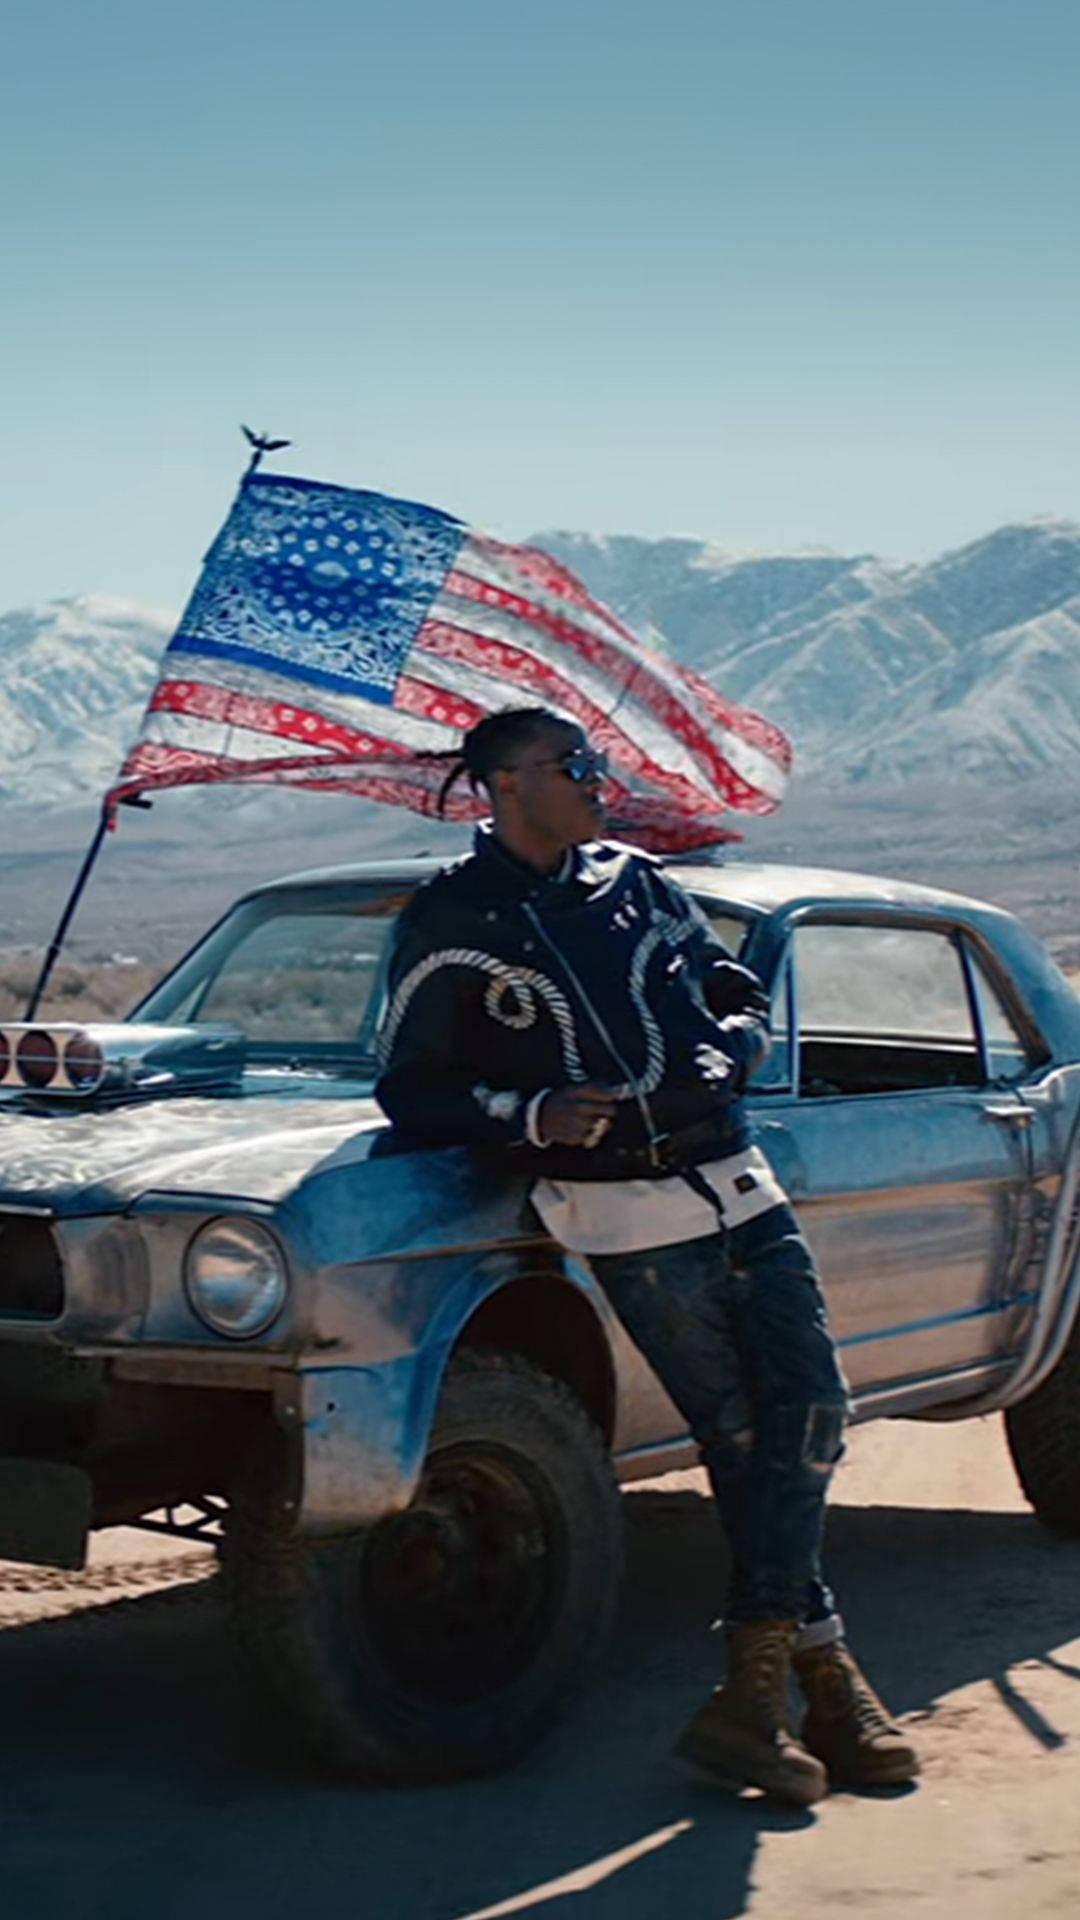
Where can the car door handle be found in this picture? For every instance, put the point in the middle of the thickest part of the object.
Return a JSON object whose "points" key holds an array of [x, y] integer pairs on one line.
{"points": [[1018, 1116]]}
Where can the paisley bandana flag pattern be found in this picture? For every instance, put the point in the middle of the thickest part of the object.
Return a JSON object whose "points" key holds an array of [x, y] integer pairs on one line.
{"points": [[337, 639]]}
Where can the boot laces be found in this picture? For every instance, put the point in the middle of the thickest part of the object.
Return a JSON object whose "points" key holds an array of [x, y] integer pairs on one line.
{"points": [[768, 1654], [846, 1692]]}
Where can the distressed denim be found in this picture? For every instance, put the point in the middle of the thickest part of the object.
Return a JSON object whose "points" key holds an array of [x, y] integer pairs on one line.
{"points": [[734, 1326]]}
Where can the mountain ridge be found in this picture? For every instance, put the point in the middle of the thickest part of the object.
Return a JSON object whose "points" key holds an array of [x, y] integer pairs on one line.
{"points": [[879, 669], [982, 646]]}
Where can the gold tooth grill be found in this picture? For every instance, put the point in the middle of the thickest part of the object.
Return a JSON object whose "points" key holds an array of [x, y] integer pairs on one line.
{"points": [[31, 1276]]}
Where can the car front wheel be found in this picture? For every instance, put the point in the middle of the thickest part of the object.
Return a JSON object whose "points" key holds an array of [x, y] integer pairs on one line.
{"points": [[1044, 1439], [446, 1639]]}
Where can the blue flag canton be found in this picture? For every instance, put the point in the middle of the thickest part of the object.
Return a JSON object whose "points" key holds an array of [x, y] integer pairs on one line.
{"points": [[320, 584]]}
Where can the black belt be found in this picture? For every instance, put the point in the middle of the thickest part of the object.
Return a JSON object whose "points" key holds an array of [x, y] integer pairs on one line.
{"points": [[673, 1152]]}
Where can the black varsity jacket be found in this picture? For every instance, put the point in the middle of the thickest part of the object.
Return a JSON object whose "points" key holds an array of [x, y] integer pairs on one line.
{"points": [[504, 983]]}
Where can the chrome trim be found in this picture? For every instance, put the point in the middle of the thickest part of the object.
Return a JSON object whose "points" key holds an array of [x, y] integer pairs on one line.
{"points": [[931, 1396]]}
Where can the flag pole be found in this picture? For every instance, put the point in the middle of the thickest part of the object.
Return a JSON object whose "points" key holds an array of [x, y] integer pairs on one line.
{"points": [[57, 940], [81, 878], [73, 897]]}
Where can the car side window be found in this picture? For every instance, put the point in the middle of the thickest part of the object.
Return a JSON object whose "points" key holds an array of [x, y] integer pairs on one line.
{"points": [[881, 1009], [299, 975]]}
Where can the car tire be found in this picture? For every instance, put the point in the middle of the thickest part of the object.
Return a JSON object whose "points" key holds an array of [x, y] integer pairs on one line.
{"points": [[1043, 1432], [445, 1640]]}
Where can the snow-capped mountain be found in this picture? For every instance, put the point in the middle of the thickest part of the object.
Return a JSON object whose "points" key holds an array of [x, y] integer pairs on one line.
{"points": [[74, 678], [881, 671], [970, 664]]}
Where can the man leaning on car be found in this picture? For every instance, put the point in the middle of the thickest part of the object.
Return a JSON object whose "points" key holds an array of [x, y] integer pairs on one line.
{"points": [[558, 1001]]}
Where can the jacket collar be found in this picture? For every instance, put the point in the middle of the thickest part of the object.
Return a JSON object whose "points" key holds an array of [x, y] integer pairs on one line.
{"points": [[515, 877]]}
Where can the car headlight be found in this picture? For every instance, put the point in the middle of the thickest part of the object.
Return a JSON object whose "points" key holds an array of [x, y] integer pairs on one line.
{"points": [[236, 1277]]}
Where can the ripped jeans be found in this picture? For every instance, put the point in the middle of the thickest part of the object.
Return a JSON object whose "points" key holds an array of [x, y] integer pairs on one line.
{"points": [[734, 1326]]}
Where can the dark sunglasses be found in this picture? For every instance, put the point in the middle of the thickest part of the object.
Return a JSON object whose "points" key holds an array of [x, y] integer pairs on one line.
{"points": [[580, 763]]}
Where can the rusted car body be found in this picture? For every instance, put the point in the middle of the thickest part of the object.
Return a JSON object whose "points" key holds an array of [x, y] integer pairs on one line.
{"points": [[203, 1246]]}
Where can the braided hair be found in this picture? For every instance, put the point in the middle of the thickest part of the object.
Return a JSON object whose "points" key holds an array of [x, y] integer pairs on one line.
{"points": [[487, 745]]}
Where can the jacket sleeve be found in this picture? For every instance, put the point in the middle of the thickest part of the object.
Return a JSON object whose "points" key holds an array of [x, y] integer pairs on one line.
{"points": [[431, 1085], [733, 994], [745, 1042]]}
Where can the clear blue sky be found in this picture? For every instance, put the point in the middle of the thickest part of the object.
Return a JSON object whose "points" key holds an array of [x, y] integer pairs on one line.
{"points": [[783, 273]]}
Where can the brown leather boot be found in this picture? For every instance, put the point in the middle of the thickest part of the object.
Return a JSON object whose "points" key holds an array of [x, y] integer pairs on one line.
{"points": [[741, 1733], [846, 1725]]}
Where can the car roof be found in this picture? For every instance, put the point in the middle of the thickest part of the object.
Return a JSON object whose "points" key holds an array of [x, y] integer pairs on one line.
{"points": [[766, 886], [757, 886]]}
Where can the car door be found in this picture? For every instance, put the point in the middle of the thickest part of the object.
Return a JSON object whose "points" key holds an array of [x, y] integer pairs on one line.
{"points": [[906, 1160]]}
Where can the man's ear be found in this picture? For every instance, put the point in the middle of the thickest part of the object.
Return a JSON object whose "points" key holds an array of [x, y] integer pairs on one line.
{"points": [[500, 782]]}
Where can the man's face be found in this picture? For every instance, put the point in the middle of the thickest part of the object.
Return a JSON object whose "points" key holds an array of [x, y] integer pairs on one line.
{"points": [[542, 789]]}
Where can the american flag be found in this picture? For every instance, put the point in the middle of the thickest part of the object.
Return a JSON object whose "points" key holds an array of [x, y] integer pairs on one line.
{"points": [[337, 639]]}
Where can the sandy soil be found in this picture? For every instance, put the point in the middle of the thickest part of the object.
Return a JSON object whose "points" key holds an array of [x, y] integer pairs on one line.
{"points": [[138, 1777]]}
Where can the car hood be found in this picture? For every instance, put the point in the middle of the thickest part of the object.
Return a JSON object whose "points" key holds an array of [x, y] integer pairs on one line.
{"points": [[257, 1148]]}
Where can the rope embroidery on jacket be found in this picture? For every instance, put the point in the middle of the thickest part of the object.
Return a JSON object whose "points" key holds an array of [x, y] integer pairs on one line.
{"points": [[524, 982]]}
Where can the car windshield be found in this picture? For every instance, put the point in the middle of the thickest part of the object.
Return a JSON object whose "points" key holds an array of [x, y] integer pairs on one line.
{"points": [[298, 970]]}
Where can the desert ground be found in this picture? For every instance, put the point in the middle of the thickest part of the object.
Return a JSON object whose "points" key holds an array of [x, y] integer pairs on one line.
{"points": [[140, 1777]]}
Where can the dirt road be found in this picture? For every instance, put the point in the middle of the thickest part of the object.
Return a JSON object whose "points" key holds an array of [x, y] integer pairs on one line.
{"points": [[138, 1780]]}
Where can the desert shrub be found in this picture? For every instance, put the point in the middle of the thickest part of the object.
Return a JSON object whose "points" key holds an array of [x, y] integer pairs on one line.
{"points": [[77, 990]]}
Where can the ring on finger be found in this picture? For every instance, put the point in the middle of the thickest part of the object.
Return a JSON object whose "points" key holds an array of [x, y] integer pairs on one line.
{"points": [[597, 1131]]}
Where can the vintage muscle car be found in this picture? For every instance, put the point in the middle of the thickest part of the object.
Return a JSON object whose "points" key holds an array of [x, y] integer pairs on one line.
{"points": [[220, 1300]]}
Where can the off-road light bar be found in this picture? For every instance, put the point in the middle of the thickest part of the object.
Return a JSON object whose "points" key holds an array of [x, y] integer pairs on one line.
{"points": [[62, 1058], [53, 1059]]}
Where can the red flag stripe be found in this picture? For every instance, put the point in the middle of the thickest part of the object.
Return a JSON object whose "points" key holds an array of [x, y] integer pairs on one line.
{"points": [[431, 702], [280, 721], [750, 726], [502, 663], [273, 717], [644, 675], [549, 575], [158, 766], [494, 661], [532, 564], [523, 668], [161, 767], [736, 719]]}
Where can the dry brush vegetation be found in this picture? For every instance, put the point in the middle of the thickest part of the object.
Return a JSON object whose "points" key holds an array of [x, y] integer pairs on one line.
{"points": [[77, 990]]}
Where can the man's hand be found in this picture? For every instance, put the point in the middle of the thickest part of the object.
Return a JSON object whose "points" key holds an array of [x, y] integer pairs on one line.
{"points": [[575, 1116]]}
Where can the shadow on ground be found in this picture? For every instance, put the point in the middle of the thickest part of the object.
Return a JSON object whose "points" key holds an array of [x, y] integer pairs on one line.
{"points": [[138, 1777]]}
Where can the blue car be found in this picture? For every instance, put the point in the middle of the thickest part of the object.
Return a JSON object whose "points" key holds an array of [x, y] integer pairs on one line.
{"points": [[225, 1309]]}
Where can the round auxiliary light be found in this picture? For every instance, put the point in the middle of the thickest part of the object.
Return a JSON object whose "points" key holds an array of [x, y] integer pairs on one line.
{"points": [[37, 1057], [5, 1055], [235, 1276], [84, 1063]]}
